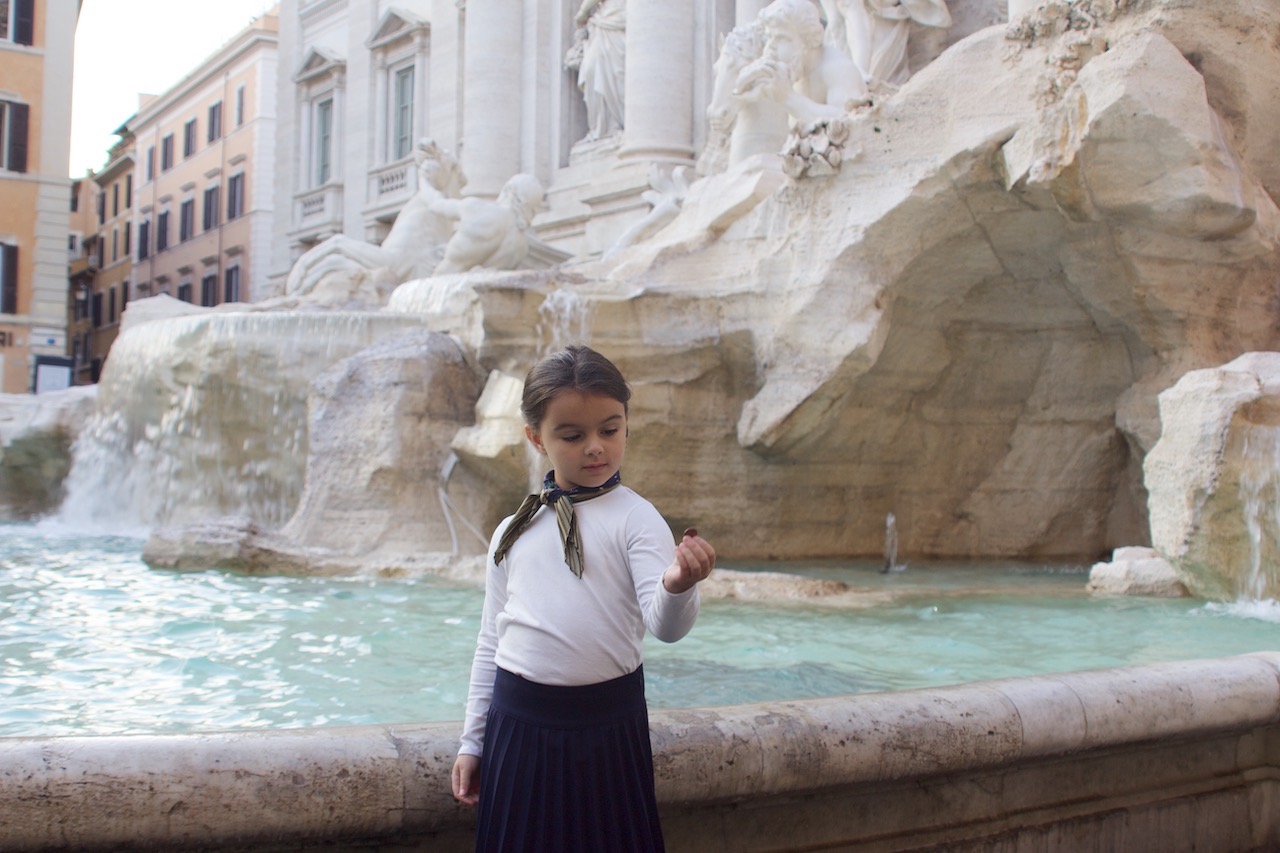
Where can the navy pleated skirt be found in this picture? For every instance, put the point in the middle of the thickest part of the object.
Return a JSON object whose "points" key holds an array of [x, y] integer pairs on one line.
{"points": [[567, 769]]}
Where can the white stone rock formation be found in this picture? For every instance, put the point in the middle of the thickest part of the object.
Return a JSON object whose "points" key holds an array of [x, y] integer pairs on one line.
{"points": [[37, 432], [1214, 478], [1136, 571]]}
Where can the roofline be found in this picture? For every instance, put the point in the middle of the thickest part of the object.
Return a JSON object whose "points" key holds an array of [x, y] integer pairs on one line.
{"points": [[240, 44]]}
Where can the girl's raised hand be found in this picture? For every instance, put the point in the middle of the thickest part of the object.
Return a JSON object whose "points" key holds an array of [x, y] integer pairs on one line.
{"points": [[695, 558]]}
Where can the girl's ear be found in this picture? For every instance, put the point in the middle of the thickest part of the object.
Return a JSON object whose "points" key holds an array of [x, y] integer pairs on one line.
{"points": [[534, 439]]}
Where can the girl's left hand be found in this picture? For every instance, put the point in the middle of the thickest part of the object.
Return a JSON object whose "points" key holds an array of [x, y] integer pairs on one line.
{"points": [[695, 558]]}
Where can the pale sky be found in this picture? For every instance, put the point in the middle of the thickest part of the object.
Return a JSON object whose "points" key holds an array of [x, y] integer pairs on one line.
{"points": [[127, 47]]}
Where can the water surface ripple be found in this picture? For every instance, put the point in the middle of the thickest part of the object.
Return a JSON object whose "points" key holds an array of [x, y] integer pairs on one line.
{"points": [[94, 642]]}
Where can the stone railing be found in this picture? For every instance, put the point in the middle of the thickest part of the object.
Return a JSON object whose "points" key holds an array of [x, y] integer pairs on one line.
{"points": [[1142, 758], [320, 208], [389, 187]]}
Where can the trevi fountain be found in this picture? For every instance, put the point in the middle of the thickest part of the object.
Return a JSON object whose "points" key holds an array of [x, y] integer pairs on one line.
{"points": [[946, 286]]}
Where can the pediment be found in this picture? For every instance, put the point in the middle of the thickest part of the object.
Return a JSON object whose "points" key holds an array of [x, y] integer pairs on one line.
{"points": [[320, 62], [396, 24]]}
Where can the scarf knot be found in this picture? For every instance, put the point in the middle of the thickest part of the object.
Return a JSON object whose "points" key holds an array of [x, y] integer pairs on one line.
{"points": [[562, 501]]}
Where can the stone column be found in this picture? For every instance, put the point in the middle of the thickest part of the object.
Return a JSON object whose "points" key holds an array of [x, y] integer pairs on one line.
{"points": [[659, 89], [491, 92], [746, 11]]}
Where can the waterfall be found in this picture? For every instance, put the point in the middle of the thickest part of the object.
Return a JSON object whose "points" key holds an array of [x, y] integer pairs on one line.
{"points": [[205, 416], [1260, 505], [562, 320]]}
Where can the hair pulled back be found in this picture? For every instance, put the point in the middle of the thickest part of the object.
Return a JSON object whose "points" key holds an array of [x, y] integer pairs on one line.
{"points": [[575, 368]]}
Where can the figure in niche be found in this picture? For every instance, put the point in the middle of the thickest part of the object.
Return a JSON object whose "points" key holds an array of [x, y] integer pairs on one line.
{"points": [[876, 32], [598, 54]]}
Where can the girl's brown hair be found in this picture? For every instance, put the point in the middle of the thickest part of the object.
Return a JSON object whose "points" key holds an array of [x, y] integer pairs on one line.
{"points": [[576, 368]]}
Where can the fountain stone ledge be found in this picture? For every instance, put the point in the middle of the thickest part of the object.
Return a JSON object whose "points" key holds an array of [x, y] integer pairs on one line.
{"points": [[1157, 757]]}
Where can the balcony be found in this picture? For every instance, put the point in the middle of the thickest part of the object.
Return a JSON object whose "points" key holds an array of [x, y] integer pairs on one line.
{"points": [[318, 213], [389, 187]]}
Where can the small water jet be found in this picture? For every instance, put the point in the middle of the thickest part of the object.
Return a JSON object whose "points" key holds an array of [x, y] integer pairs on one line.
{"points": [[891, 563]]}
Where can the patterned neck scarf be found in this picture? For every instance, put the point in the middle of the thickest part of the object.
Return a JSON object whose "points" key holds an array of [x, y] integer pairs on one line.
{"points": [[562, 501]]}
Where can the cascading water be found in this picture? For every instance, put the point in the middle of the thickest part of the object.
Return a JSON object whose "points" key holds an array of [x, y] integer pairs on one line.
{"points": [[205, 416], [563, 319], [1260, 502], [891, 563]]}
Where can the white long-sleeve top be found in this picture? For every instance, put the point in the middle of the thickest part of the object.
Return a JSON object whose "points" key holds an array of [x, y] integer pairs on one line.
{"points": [[544, 624]]}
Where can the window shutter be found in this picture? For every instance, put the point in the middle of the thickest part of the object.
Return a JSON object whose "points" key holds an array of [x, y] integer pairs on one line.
{"points": [[8, 279], [18, 117], [24, 22]]}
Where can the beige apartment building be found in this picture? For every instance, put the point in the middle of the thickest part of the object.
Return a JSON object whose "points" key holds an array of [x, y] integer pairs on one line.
{"points": [[37, 38], [202, 160], [82, 272], [104, 301]]}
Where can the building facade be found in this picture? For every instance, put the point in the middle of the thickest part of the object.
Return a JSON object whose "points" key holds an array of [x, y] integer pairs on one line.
{"points": [[82, 273], [36, 49], [202, 171], [362, 80], [104, 300]]}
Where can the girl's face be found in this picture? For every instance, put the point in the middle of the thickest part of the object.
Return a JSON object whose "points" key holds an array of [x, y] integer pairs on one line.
{"points": [[584, 436]]}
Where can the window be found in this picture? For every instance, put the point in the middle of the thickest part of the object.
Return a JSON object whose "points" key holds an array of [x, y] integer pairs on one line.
{"points": [[111, 305], [128, 191], [239, 106], [402, 114], [166, 152], [102, 208], [115, 244], [144, 239], [128, 231], [75, 197], [97, 310], [235, 196], [215, 121], [324, 141], [8, 279], [211, 202], [231, 292], [115, 199], [189, 138], [124, 295], [162, 231], [209, 290], [187, 220], [184, 291], [13, 135], [17, 21], [151, 163]]}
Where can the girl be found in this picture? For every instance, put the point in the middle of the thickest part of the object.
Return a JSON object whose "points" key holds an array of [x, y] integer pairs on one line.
{"points": [[555, 747]]}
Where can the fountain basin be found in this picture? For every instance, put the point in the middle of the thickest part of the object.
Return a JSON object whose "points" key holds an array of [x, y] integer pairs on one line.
{"points": [[1157, 757]]}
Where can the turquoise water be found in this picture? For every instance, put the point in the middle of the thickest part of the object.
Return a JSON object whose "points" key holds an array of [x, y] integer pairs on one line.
{"points": [[94, 642]]}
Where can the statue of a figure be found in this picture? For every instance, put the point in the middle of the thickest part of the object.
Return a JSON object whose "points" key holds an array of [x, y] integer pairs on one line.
{"points": [[490, 234], [876, 32], [344, 269], [599, 54], [783, 69]]}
